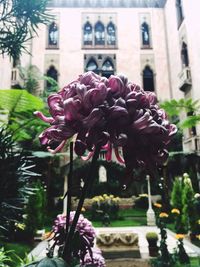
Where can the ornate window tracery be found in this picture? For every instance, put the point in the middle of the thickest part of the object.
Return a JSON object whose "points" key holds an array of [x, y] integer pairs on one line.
{"points": [[99, 33], [145, 34], [111, 34], [53, 35], [87, 34]]}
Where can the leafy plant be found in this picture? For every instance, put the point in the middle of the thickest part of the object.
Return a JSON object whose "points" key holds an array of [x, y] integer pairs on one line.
{"points": [[18, 23], [191, 107], [4, 258], [15, 173], [31, 76], [17, 107], [151, 236], [35, 209], [190, 217]]}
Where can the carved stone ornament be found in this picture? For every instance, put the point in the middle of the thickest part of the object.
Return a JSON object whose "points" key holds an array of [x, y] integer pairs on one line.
{"points": [[118, 245]]}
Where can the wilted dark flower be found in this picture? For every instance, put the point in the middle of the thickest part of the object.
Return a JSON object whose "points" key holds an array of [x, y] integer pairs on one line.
{"points": [[112, 113]]}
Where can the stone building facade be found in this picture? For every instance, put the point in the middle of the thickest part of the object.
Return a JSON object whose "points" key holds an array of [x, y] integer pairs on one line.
{"points": [[153, 42]]}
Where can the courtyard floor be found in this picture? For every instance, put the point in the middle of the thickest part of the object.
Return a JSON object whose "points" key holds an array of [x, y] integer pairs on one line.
{"points": [[40, 250]]}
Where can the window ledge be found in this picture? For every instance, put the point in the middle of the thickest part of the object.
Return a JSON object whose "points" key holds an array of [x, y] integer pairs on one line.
{"points": [[99, 47], [52, 48], [146, 47]]}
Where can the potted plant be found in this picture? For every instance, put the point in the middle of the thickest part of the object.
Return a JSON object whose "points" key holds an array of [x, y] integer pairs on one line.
{"points": [[152, 239]]}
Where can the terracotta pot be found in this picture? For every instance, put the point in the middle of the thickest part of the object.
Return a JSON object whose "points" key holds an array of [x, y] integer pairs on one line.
{"points": [[153, 251]]}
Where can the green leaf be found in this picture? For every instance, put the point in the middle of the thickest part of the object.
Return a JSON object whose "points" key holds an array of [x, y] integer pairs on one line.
{"points": [[19, 101], [190, 121]]}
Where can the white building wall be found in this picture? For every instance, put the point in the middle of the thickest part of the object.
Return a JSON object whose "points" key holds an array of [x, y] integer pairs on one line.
{"points": [[70, 55], [5, 72]]}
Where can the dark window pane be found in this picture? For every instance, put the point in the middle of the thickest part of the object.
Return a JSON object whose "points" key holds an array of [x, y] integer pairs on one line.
{"points": [[184, 55], [145, 34], [99, 34], [148, 79], [111, 34], [53, 34], [92, 66], [87, 34], [179, 11], [107, 68], [52, 73]]}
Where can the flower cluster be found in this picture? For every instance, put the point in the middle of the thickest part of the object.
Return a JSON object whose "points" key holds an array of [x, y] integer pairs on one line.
{"points": [[179, 236], [105, 198], [97, 258], [163, 215], [85, 247], [109, 113], [175, 211], [157, 205], [107, 204], [84, 227]]}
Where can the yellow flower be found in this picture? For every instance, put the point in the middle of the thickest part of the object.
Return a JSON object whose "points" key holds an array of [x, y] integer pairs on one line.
{"points": [[111, 196], [179, 236], [20, 226], [101, 198], [105, 195], [83, 209], [198, 221], [175, 211], [47, 235], [143, 195], [198, 237], [163, 215], [157, 205]]}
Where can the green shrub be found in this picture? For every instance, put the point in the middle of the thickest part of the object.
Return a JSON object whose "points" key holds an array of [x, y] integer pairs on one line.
{"points": [[189, 214], [4, 258], [36, 209], [151, 236], [176, 200]]}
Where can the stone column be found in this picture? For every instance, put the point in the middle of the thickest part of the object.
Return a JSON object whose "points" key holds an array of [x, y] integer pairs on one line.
{"points": [[151, 220]]}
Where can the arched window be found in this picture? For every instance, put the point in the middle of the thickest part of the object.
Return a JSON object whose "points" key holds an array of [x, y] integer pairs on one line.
{"points": [[87, 34], [107, 68], [145, 34], [111, 34], [148, 79], [179, 11], [92, 66], [53, 34], [99, 33], [184, 55], [52, 73]]}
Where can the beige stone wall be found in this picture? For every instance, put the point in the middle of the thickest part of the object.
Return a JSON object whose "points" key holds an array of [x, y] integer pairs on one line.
{"points": [[130, 58], [5, 72], [187, 32]]}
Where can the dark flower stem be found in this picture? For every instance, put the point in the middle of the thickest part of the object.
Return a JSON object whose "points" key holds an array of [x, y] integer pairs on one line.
{"points": [[67, 248], [69, 180]]}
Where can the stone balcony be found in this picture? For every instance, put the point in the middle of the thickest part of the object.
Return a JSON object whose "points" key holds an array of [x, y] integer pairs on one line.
{"points": [[185, 81]]}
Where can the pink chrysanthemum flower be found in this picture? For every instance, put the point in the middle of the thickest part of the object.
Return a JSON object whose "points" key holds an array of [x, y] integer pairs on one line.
{"points": [[97, 258], [112, 113], [84, 227]]}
